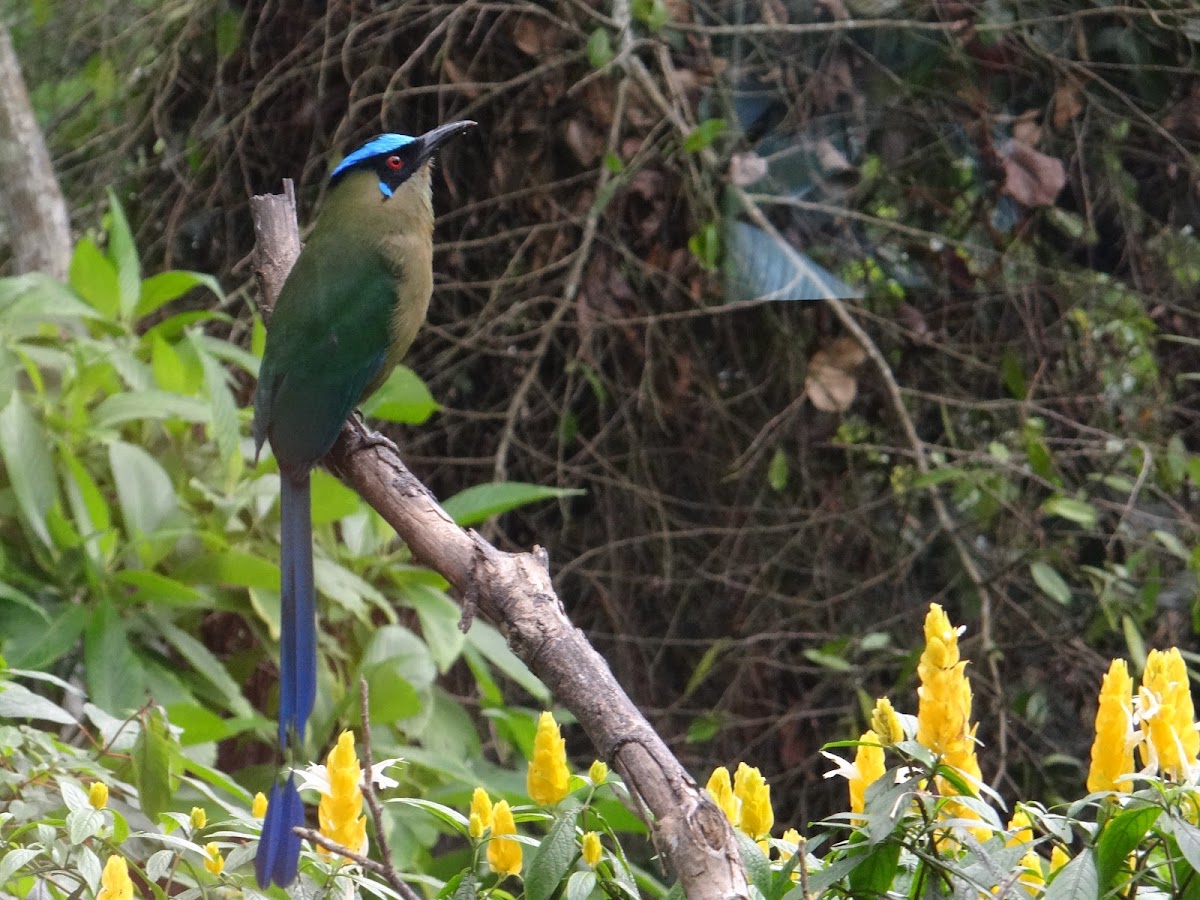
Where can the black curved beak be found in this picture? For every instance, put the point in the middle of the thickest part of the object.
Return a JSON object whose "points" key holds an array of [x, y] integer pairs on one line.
{"points": [[431, 139]]}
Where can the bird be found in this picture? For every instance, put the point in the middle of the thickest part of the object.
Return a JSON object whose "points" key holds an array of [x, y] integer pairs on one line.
{"points": [[346, 315]]}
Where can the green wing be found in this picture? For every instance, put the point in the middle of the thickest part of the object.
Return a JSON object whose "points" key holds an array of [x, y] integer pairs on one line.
{"points": [[328, 340]]}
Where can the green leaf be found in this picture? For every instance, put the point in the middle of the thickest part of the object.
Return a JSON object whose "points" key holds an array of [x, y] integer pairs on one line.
{"points": [[1134, 642], [203, 663], [1121, 834], [398, 666], [331, 500], [225, 428], [1187, 836], [34, 643], [29, 465], [15, 859], [158, 590], [704, 728], [467, 888], [493, 647], [402, 398], [1078, 511], [83, 824], [18, 702], [164, 287], [777, 471], [475, 504], [705, 245], [123, 254], [758, 867], [937, 476], [89, 507], [228, 33], [599, 48], [706, 132], [580, 885], [160, 405], [94, 279], [158, 866], [1077, 880], [452, 817], [439, 617], [114, 673], [201, 725], [171, 373], [715, 651], [152, 765], [144, 489], [827, 660], [234, 567], [553, 858], [874, 874], [1051, 583], [652, 13]]}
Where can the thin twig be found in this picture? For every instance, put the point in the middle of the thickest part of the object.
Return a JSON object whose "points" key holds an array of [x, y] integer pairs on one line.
{"points": [[781, 29], [575, 276], [389, 875], [921, 458], [385, 849]]}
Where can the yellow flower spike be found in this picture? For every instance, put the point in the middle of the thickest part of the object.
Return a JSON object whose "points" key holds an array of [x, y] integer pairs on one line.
{"points": [[598, 773], [751, 788], [1031, 872], [213, 860], [1020, 829], [258, 808], [548, 777], [944, 708], [199, 817], [591, 849], [869, 766], [791, 836], [481, 806], [1170, 740], [1058, 859], [475, 826], [340, 811], [720, 789], [503, 853], [886, 723], [98, 795], [114, 880], [1112, 750]]}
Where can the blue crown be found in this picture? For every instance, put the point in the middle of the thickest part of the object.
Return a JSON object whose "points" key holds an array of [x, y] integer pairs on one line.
{"points": [[377, 146]]}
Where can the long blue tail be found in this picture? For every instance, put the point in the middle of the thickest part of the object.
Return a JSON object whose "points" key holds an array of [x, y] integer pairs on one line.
{"points": [[297, 619], [278, 857]]}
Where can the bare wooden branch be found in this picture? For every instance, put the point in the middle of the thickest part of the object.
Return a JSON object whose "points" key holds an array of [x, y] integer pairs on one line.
{"points": [[276, 243], [39, 228], [514, 591]]}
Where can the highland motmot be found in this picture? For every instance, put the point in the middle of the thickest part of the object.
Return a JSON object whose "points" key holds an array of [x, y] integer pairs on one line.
{"points": [[345, 316]]}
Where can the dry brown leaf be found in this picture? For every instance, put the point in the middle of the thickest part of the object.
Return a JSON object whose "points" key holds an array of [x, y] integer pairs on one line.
{"points": [[1026, 130], [1068, 103], [533, 35], [746, 168], [1030, 177], [830, 384], [584, 142]]}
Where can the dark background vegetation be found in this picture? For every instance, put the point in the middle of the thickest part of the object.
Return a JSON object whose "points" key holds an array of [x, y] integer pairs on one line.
{"points": [[1011, 186]]}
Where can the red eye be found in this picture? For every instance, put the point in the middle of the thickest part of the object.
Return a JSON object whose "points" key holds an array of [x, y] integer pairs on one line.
{"points": [[395, 162]]}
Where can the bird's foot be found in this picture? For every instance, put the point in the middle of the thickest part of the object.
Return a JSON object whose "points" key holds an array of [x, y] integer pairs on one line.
{"points": [[366, 439]]}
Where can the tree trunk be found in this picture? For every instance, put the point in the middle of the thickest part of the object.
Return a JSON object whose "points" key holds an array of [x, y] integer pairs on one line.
{"points": [[39, 229]]}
